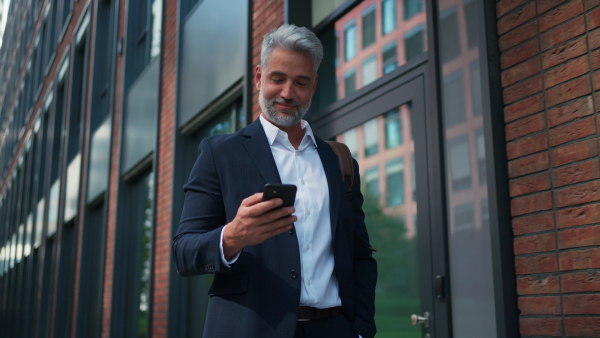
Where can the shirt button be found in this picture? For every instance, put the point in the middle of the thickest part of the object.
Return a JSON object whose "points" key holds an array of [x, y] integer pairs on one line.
{"points": [[301, 181], [309, 282], [307, 247], [294, 274], [308, 212]]}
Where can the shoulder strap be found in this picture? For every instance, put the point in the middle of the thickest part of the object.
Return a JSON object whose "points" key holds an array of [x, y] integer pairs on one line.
{"points": [[346, 166], [347, 169]]}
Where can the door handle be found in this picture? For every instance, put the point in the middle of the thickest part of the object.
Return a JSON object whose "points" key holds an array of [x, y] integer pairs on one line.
{"points": [[418, 320]]}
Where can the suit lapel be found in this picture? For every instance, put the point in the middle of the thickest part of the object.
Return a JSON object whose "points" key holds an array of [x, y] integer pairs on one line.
{"points": [[332, 172], [258, 148]]}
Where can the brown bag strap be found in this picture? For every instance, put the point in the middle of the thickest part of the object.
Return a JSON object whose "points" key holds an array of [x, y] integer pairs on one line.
{"points": [[345, 159]]}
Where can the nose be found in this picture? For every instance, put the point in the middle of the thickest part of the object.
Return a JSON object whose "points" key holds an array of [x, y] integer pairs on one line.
{"points": [[286, 90]]}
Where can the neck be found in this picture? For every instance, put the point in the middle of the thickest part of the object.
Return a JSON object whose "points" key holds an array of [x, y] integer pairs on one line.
{"points": [[295, 132]]}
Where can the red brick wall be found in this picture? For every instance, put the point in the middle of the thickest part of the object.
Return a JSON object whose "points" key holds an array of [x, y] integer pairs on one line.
{"points": [[266, 15], [164, 173], [550, 60]]}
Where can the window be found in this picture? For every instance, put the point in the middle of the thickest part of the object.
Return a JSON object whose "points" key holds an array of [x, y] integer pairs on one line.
{"points": [[454, 98], [464, 217], [460, 167], [350, 41], [394, 176], [413, 43], [412, 8], [480, 142], [368, 27], [350, 82], [448, 28], [390, 57], [388, 15], [369, 70], [371, 137], [350, 138], [372, 181], [393, 128], [476, 88]]}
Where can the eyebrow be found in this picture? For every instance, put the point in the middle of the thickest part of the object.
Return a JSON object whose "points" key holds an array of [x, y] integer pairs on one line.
{"points": [[280, 73]]}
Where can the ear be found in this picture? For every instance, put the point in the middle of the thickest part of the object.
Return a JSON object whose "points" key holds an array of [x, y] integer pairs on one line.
{"points": [[257, 76], [315, 84]]}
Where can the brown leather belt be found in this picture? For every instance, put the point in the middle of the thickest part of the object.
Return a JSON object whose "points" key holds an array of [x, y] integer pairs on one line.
{"points": [[310, 313]]}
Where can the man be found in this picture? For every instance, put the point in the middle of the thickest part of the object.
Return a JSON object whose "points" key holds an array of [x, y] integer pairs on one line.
{"points": [[279, 272]]}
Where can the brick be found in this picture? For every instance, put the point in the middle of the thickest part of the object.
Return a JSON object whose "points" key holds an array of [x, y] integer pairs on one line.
{"points": [[518, 35], [582, 326], [544, 305], [521, 71], [516, 18], [523, 108], [593, 19], [523, 89], [527, 165], [568, 91], [537, 284], [560, 14], [572, 131], [534, 243], [581, 304], [562, 33], [519, 53], [596, 80], [565, 52], [505, 6], [579, 237], [574, 152], [531, 203], [595, 60], [526, 146], [580, 282], [526, 126], [593, 39], [581, 215], [580, 172], [569, 112], [540, 327], [589, 4], [579, 259], [546, 5], [533, 223], [530, 184], [578, 194], [566, 71], [536, 264]]}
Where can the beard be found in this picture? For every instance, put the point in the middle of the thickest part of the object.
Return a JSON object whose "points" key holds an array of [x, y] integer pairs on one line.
{"points": [[284, 120]]}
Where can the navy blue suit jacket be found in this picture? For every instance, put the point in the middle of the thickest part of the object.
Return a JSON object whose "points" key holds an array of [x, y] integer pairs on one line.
{"points": [[258, 296]]}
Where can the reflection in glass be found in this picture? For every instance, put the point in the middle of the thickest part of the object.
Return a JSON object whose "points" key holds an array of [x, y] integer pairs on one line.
{"points": [[369, 70], [385, 41], [146, 254], [350, 41], [394, 179], [393, 129], [469, 240], [53, 208], [156, 28], [28, 235], [351, 140], [72, 188], [371, 137], [350, 82], [99, 160], [390, 215], [368, 27], [39, 223]]}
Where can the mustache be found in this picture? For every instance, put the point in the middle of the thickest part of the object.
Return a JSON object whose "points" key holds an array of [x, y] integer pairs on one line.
{"points": [[292, 102]]}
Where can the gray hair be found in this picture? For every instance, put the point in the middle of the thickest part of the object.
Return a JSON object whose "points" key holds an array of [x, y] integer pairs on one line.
{"points": [[294, 39]]}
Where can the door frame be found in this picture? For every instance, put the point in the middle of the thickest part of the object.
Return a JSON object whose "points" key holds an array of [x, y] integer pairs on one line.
{"points": [[411, 82]]}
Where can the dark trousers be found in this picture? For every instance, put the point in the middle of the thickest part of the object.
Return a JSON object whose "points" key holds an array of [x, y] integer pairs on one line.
{"points": [[334, 327]]}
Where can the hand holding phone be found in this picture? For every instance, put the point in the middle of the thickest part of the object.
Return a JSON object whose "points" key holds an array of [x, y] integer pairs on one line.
{"points": [[287, 192]]}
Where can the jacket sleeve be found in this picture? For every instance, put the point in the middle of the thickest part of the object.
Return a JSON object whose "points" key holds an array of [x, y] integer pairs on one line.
{"points": [[365, 266], [196, 245]]}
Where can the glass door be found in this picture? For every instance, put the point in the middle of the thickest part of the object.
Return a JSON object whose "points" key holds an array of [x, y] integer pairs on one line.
{"points": [[385, 130]]}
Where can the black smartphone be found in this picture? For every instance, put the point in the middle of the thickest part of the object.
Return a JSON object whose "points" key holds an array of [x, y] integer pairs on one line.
{"points": [[287, 192]]}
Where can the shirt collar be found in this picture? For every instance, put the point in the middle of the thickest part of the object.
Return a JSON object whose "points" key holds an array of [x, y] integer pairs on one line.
{"points": [[273, 132]]}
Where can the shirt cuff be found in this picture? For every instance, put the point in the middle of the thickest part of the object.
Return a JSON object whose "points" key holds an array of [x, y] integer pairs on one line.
{"points": [[226, 262]]}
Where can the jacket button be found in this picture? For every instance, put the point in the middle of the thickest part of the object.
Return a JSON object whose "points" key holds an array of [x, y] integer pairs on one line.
{"points": [[291, 231], [293, 274]]}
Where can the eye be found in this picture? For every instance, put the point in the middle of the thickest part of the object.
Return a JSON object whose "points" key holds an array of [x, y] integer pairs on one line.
{"points": [[301, 84]]}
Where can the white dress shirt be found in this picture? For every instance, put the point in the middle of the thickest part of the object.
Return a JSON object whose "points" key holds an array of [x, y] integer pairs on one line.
{"points": [[303, 168]]}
